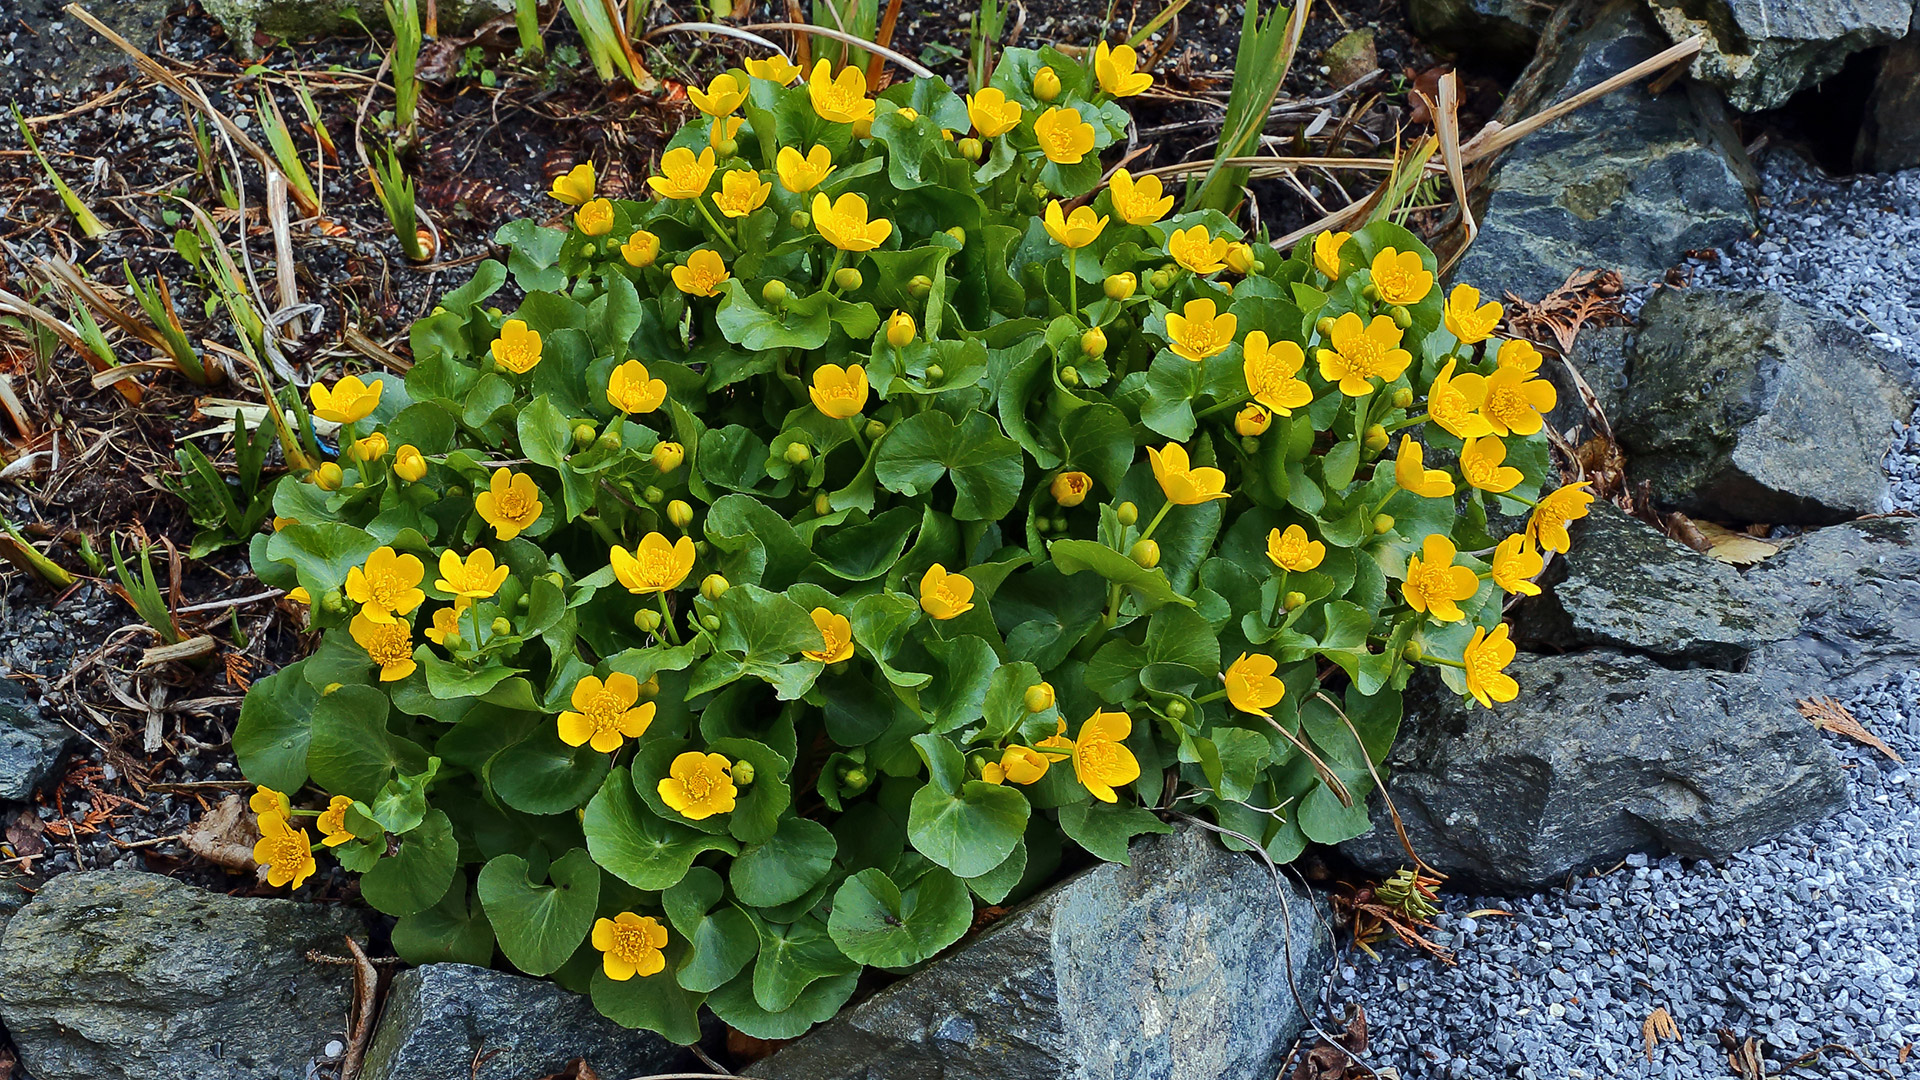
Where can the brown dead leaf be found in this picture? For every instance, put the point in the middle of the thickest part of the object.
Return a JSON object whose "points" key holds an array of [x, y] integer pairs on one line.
{"points": [[7, 1064], [1829, 715], [1682, 528], [1335, 1060], [1734, 548], [1659, 1025], [576, 1069], [26, 835], [1743, 1058], [1587, 296], [225, 835]]}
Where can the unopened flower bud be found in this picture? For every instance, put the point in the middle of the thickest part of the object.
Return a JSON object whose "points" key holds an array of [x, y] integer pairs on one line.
{"points": [[653, 495], [1039, 697], [959, 235], [971, 149], [409, 464], [332, 601], [1162, 278], [848, 277], [667, 456], [1046, 84], [610, 441], [1403, 397], [713, 587], [1370, 291], [1176, 709], [1324, 326], [328, 477], [1294, 601], [1120, 286], [1402, 318], [1240, 257], [774, 292], [853, 781], [900, 330], [647, 620], [875, 429], [711, 622], [822, 505], [583, 436], [501, 625], [1376, 439], [1382, 524], [800, 219], [1070, 375], [679, 513], [1094, 342], [798, 453], [1146, 553], [935, 373], [919, 285], [651, 688], [1413, 652], [726, 148], [742, 773], [1253, 420], [1127, 512]]}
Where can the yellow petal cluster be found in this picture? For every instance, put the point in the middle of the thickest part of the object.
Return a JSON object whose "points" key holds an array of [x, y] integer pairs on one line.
{"points": [[604, 715], [511, 503], [1138, 202], [839, 392], [1183, 484], [943, 595], [654, 565], [1197, 331], [1363, 352], [1435, 584], [630, 944], [698, 786], [1114, 67]]}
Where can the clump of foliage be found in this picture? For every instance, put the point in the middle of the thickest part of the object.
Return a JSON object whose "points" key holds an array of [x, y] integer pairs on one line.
{"points": [[821, 547]]}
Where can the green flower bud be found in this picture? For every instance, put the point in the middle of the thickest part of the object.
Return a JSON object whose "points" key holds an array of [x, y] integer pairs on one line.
{"points": [[556, 578], [919, 286], [1249, 444], [333, 601], [978, 761], [971, 149], [726, 148], [713, 587], [1059, 524], [822, 505], [1040, 190], [1376, 439], [1094, 342], [875, 429], [1127, 512], [1324, 326], [1146, 553], [1176, 710], [647, 620], [1383, 524], [1162, 279], [1070, 375], [583, 436], [774, 292], [1413, 652], [501, 625], [653, 495], [1294, 601], [848, 277], [610, 442], [650, 689], [935, 373], [798, 453], [1370, 291], [800, 219], [853, 781], [711, 622], [521, 602], [680, 513], [589, 249], [959, 235], [453, 640], [742, 773], [1403, 397], [1402, 318]]}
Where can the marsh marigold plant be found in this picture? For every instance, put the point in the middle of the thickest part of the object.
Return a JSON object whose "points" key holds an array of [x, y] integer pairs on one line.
{"points": [[821, 546]]}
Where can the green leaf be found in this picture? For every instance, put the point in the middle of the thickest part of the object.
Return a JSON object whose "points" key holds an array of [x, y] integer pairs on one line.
{"points": [[954, 700], [321, 552], [971, 832], [1005, 705], [785, 867], [760, 634], [721, 940], [818, 1002], [791, 958], [1150, 586], [757, 809], [539, 926], [946, 766], [414, 878], [653, 1003], [352, 753], [801, 322], [451, 931], [986, 467], [276, 724], [1105, 831], [877, 923], [635, 845], [542, 775], [1099, 442]]}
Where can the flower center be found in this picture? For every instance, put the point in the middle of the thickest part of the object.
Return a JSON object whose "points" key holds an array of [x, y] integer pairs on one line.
{"points": [[1448, 407], [605, 711], [699, 786], [1200, 336], [287, 850], [391, 646], [1431, 582], [512, 505], [656, 565], [1481, 668], [1507, 401], [946, 592], [1362, 354], [630, 942], [1480, 471], [834, 641], [1098, 756], [1395, 281], [1292, 548]]}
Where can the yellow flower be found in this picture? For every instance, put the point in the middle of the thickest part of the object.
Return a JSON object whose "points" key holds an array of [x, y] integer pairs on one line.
{"points": [[1077, 231], [702, 274], [332, 822], [1185, 486], [1519, 353], [446, 622], [1071, 488], [595, 218], [1139, 202], [1252, 686], [724, 130], [389, 644], [517, 348], [699, 785], [631, 943], [641, 248], [1240, 257], [1064, 137], [1516, 401], [1486, 659], [299, 595], [1198, 252], [328, 477], [1020, 764], [265, 800], [654, 565], [1057, 741], [1411, 473], [839, 392], [1197, 333], [1515, 562], [844, 223], [575, 186], [388, 586], [900, 329], [1326, 252], [285, 851], [944, 595], [1270, 369], [1454, 400], [1046, 84], [798, 174], [776, 69], [721, 97], [992, 114], [741, 193], [603, 714], [683, 176], [1468, 319], [409, 464], [1435, 585], [1548, 523], [667, 456], [1362, 352], [371, 448], [476, 578], [511, 504], [350, 400], [1114, 69], [1401, 277], [1101, 760], [1254, 419], [1291, 550], [841, 99], [838, 632], [632, 389], [1480, 465]]}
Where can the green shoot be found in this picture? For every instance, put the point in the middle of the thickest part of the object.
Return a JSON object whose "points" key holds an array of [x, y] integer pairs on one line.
{"points": [[313, 117], [526, 19], [604, 39], [1154, 24], [857, 17], [404, 17], [394, 188], [15, 549], [223, 520], [145, 595], [989, 21], [90, 225], [287, 154], [1266, 52], [90, 331], [96, 566], [157, 302]]}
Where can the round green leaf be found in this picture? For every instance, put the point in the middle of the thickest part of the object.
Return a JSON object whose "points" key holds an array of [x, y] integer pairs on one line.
{"points": [[877, 923], [539, 926], [784, 867], [635, 845], [969, 833], [415, 877]]}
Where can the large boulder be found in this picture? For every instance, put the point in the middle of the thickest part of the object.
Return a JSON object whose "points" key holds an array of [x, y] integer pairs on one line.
{"points": [[1600, 356], [1603, 755], [442, 1018], [1890, 131], [31, 747], [123, 975], [1501, 31], [1191, 964], [1854, 589], [1760, 52], [1630, 182], [1747, 407]]}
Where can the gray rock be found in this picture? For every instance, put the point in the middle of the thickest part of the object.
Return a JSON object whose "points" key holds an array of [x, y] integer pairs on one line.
{"points": [[305, 18], [1175, 968], [1626, 585], [1855, 590], [31, 747], [62, 51], [1604, 754], [1630, 182], [1502, 31], [1760, 52], [1744, 406], [1890, 131], [1600, 356], [123, 975]]}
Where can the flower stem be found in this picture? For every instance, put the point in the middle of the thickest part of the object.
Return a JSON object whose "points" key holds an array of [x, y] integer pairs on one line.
{"points": [[701, 203], [1215, 696], [1407, 423], [1155, 523], [666, 619], [1073, 282], [859, 440]]}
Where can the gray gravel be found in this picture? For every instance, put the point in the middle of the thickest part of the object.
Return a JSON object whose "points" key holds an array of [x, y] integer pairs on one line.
{"points": [[1849, 247], [1810, 941]]}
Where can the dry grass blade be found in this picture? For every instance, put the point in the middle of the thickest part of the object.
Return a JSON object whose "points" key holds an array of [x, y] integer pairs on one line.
{"points": [[1829, 715], [1446, 121], [1659, 1025], [15, 305]]}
